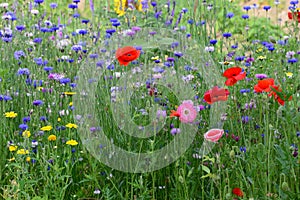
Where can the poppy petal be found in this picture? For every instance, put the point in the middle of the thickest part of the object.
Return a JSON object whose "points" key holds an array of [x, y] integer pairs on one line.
{"points": [[230, 81]]}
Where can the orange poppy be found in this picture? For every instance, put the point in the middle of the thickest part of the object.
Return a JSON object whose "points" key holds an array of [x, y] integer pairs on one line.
{"points": [[233, 75], [127, 54], [216, 94], [264, 85]]}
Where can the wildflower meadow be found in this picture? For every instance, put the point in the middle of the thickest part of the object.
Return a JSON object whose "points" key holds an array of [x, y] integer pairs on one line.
{"points": [[150, 99]]}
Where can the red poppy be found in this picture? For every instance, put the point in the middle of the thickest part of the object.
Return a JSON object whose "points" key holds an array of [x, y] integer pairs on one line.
{"points": [[276, 96], [238, 192], [294, 15], [127, 54], [264, 85], [216, 94], [233, 75], [174, 114]]}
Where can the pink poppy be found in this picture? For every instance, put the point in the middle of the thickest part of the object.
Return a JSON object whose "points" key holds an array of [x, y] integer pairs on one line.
{"points": [[187, 112], [213, 135]]}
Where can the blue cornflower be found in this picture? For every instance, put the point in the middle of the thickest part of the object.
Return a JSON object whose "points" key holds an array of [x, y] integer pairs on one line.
{"points": [[93, 56], [294, 3], [85, 21], [76, 15], [20, 28], [243, 149], [26, 119], [82, 31], [267, 8], [153, 3], [38, 1], [76, 48], [72, 6], [43, 118], [110, 31], [230, 15], [116, 24], [190, 21], [245, 16], [23, 127], [292, 60], [37, 102], [47, 68], [37, 40], [23, 71], [7, 98], [242, 91], [19, 54], [247, 8], [240, 58], [64, 80], [213, 42], [227, 35]]}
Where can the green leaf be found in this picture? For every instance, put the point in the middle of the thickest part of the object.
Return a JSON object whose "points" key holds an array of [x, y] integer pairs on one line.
{"points": [[206, 169]]}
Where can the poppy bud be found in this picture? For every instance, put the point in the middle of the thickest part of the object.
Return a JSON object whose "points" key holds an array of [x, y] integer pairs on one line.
{"points": [[285, 186], [232, 154]]}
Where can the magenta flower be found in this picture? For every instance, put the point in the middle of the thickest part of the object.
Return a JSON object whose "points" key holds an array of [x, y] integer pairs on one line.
{"points": [[187, 112], [213, 135]]}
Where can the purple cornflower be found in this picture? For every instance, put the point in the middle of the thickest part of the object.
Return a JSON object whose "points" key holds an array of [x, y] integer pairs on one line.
{"points": [[37, 102], [175, 131], [53, 5], [261, 76]]}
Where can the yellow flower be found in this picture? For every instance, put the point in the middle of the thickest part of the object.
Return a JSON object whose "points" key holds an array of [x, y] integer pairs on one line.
{"points": [[259, 50], [22, 152], [39, 88], [12, 148], [69, 93], [26, 134], [155, 58], [12, 159], [28, 159], [261, 57], [289, 74], [70, 125], [71, 103], [59, 119], [52, 137], [10, 114], [120, 6], [46, 128], [72, 142]]}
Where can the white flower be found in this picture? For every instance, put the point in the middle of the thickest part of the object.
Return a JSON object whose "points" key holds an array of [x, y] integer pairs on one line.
{"points": [[209, 49], [34, 12], [3, 5], [157, 76], [6, 17]]}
